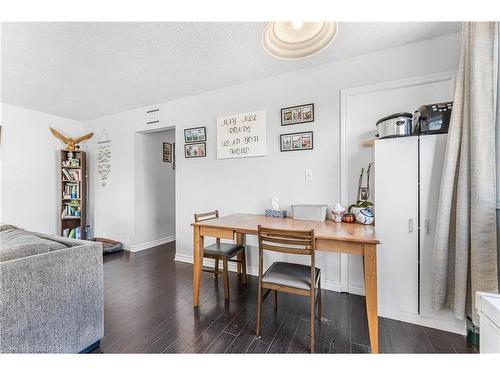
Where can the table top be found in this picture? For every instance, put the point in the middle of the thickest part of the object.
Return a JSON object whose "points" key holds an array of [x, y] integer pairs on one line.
{"points": [[328, 230]]}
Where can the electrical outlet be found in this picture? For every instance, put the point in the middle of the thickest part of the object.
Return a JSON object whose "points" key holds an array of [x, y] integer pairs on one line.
{"points": [[309, 175]]}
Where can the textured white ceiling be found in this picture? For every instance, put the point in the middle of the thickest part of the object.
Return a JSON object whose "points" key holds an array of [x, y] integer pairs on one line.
{"points": [[88, 70]]}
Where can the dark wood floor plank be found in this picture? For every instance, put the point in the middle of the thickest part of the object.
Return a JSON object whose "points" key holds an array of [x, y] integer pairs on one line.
{"points": [[283, 337], [299, 342], [325, 334], [155, 333], [245, 337], [385, 338], [408, 338], [148, 309], [360, 349], [230, 313], [447, 342], [271, 322], [188, 331], [170, 330], [439, 341], [359, 321], [339, 314], [221, 343]]}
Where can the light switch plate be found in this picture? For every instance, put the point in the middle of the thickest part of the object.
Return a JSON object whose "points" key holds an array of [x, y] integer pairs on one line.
{"points": [[309, 175]]}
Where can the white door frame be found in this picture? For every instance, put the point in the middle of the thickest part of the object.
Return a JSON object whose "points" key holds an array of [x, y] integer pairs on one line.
{"points": [[343, 174]]}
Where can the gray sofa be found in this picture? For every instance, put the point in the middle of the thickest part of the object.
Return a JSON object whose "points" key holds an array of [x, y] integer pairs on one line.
{"points": [[51, 293]]}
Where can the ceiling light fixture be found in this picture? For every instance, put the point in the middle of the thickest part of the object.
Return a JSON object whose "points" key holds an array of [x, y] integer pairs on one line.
{"points": [[297, 24], [298, 40]]}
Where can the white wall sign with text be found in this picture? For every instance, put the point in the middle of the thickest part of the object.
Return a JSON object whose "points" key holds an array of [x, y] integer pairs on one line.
{"points": [[242, 135], [104, 157]]}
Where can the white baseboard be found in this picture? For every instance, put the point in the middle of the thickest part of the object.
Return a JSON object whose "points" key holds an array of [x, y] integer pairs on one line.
{"points": [[147, 245], [358, 289], [454, 326], [325, 284]]}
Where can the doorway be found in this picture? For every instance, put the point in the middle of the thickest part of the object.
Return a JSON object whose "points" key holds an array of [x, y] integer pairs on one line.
{"points": [[154, 188]]}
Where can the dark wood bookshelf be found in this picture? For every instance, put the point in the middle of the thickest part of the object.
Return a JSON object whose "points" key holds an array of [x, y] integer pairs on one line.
{"points": [[72, 221]]}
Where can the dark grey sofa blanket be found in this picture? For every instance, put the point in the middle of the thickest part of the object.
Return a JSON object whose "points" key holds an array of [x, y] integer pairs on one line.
{"points": [[51, 293]]}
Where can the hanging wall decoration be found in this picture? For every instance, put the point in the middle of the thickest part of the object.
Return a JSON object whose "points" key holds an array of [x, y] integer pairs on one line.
{"points": [[167, 152], [195, 150], [296, 141], [104, 157], [198, 134], [242, 135], [72, 144], [297, 115]]}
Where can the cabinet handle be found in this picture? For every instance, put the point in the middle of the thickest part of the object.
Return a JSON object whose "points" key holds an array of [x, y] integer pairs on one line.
{"points": [[427, 226], [410, 225]]}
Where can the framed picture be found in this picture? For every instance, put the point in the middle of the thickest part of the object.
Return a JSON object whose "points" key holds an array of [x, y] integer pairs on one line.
{"points": [[192, 135], [195, 150], [297, 115], [296, 141], [167, 152]]}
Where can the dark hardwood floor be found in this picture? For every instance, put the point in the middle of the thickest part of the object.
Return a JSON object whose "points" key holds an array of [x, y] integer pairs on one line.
{"points": [[148, 309]]}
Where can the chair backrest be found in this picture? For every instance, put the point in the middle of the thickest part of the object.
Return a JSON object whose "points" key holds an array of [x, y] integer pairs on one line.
{"points": [[288, 242], [207, 216]]}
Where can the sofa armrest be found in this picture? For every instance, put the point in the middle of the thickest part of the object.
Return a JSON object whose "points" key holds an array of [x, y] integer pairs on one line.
{"points": [[52, 302]]}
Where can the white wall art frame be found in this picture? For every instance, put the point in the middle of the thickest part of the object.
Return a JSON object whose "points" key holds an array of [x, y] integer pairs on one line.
{"points": [[104, 157], [242, 135]]}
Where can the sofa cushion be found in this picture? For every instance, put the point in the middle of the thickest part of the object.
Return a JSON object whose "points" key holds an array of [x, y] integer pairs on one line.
{"points": [[6, 227], [16, 243]]}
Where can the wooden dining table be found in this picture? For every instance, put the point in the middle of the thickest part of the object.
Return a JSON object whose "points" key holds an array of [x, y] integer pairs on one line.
{"points": [[355, 239]]}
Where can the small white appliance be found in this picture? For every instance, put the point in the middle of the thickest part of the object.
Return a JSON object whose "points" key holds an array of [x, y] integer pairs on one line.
{"points": [[395, 125], [488, 307]]}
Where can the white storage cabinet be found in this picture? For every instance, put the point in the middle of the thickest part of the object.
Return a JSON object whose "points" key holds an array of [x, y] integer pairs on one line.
{"points": [[407, 182]]}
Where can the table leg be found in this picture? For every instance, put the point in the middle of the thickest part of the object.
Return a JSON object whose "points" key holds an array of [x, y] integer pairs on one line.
{"points": [[370, 269], [239, 241], [243, 260], [198, 264]]}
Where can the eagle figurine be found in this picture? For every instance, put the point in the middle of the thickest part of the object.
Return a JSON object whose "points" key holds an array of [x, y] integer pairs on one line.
{"points": [[71, 144]]}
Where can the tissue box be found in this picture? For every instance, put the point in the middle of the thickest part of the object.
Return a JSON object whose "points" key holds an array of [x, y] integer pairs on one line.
{"points": [[275, 213]]}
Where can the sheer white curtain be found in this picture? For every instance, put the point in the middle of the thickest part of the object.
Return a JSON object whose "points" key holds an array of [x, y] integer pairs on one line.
{"points": [[465, 250]]}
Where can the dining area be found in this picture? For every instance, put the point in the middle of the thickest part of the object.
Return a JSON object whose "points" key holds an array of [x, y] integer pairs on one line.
{"points": [[285, 236]]}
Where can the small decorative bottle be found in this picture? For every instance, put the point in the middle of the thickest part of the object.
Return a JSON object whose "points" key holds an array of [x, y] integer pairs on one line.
{"points": [[338, 212]]}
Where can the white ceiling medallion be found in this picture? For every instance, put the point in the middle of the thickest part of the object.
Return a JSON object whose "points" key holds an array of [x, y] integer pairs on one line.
{"points": [[298, 40]]}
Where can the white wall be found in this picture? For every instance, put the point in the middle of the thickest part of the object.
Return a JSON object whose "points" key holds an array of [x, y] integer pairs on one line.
{"points": [[154, 189], [246, 185], [30, 177], [112, 210]]}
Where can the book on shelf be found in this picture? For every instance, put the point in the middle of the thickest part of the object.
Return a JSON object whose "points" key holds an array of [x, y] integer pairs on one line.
{"points": [[71, 174], [73, 233], [73, 163], [70, 211], [71, 191]]}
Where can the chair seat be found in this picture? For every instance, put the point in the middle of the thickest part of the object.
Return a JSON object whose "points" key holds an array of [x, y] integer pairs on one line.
{"points": [[223, 249], [290, 274]]}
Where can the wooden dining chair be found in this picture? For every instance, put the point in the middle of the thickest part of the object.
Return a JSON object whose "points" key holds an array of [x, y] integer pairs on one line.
{"points": [[225, 252], [304, 280]]}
